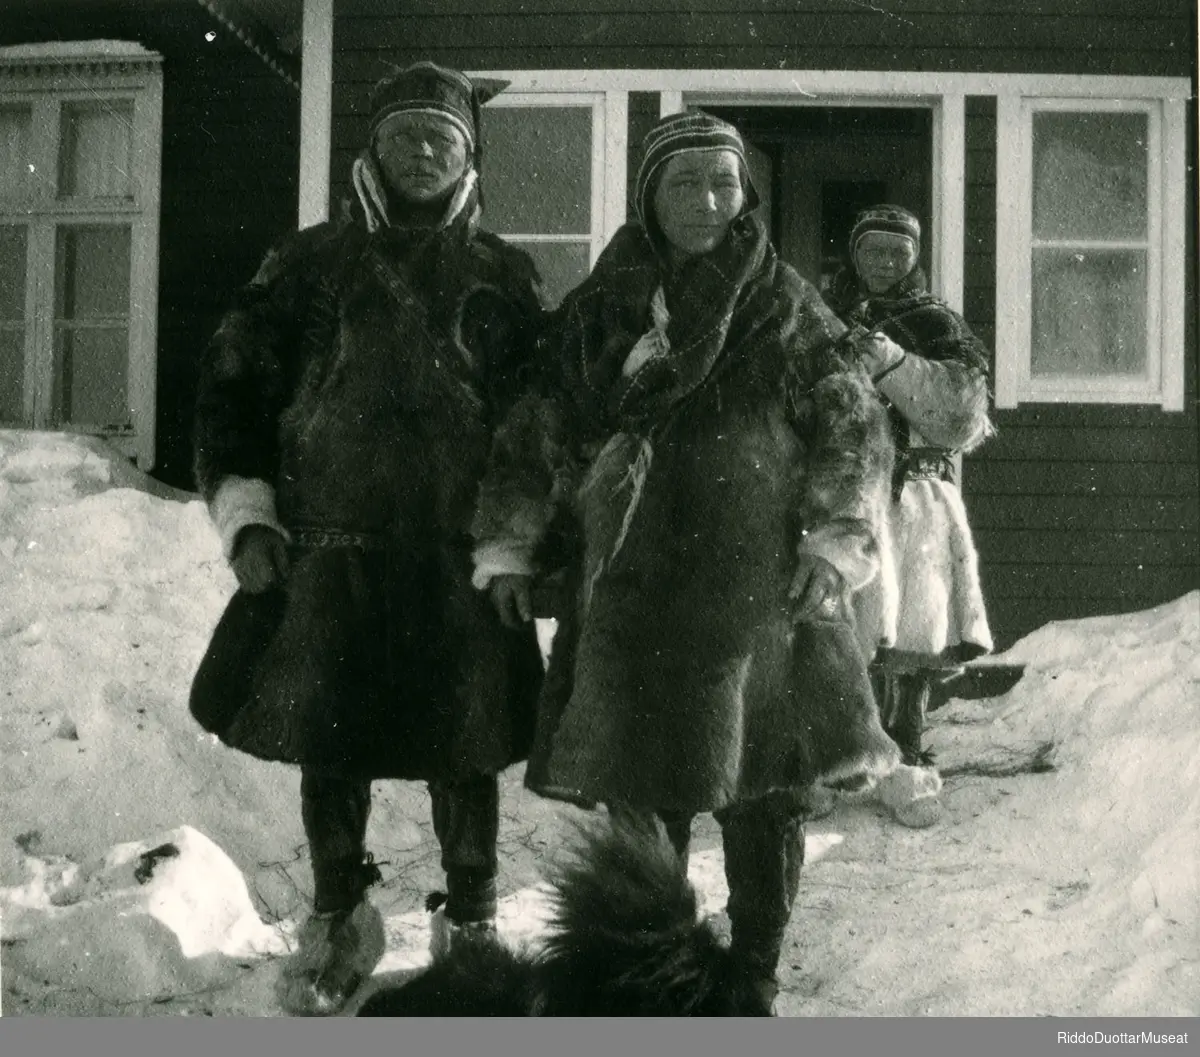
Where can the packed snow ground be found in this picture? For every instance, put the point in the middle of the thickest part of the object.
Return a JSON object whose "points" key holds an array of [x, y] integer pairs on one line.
{"points": [[1063, 880]]}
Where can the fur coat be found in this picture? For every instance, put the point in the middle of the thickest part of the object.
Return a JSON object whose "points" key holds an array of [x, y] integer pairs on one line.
{"points": [[347, 400], [694, 434], [937, 400]]}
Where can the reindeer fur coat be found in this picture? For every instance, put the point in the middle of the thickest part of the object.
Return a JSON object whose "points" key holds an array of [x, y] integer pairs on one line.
{"points": [[695, 431], [347, 400]]}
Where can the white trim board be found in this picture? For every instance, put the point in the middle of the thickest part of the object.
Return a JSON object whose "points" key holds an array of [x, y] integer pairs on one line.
{"points": [[815, 84], [316, 111]]}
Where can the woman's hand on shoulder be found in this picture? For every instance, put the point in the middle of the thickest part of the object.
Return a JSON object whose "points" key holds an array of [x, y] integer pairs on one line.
{"points": [[880, 354]]}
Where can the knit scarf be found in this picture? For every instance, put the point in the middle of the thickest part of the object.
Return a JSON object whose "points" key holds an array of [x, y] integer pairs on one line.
{"points": [[721, 308], [717, 304], [378, 205]]}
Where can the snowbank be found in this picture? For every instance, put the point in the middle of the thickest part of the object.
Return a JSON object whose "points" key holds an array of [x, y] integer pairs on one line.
{"points": [[1064, 879]]}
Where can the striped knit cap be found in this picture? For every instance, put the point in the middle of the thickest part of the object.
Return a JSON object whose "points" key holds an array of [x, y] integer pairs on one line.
{"points": [[888, 219], [692, 130], [427, 88]]}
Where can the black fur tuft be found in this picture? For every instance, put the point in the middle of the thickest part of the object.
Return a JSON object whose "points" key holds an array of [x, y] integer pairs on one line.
{"points": [[481, 980], [624, 941]]}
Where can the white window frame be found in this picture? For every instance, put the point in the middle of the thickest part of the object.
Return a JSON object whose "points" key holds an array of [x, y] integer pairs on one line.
{"points": [[609, 122], [49, 77], [1162, 383]]}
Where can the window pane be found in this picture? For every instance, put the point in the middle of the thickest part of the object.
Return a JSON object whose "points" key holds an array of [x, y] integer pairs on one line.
{"points": [[12, 324], [12, 374], [537, 170], [94, 161], [92, 272], [12, 273], [91, 324], [1090, 175], [16, 147], [562, 266], [1089, 313], [93, 379]]}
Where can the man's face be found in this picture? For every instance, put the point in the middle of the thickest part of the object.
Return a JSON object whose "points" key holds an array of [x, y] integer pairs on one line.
{"points": [[422, 156], [883, 259], [697, 198]]}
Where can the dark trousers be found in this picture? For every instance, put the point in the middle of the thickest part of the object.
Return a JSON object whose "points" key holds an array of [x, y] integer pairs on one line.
{"points": [[763, 841], [466, 822], [903, 699]]}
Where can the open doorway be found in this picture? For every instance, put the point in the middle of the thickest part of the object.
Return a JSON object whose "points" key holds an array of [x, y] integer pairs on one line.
{"points": [[816, 167]]}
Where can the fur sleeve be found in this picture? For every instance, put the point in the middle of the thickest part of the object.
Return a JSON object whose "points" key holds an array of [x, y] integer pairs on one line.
{"points": [[504, 317], [845, 479], [244, 375], [941, 387], [946, 401], [531, 474], [846, 482]]}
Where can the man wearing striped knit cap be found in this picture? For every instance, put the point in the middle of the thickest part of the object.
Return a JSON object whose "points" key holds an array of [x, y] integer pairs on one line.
{"points": [[343, 420]]}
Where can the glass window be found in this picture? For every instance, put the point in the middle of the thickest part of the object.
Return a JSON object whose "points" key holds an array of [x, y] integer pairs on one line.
{"points": [[1090, 177], [94, 376], [1090, 244], [91, 324], [538, 169], [562, 266], [13, 242], [1089, 312], [80, 171], [95, 150], [537, 185], [18, 175], [1091, 200]]}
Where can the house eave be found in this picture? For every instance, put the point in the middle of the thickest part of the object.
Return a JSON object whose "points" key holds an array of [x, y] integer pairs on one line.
{"points": [[255, 37]]}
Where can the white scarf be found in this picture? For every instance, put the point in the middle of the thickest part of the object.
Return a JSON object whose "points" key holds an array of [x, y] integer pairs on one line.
{"points": [[368, 185]]}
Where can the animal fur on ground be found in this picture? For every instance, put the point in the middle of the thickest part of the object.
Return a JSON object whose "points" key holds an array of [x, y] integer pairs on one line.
{"points": [[625, 939]]}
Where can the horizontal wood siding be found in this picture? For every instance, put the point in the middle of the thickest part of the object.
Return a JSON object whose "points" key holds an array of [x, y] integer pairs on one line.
{"points": [[230, 175], [979, 218], [1054, 36]]}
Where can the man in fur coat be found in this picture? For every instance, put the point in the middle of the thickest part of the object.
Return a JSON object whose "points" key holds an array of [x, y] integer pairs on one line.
{"points": [[933, 378], [344, 416], [712, 477]]}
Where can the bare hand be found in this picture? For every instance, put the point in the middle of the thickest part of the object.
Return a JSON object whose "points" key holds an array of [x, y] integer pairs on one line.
{"points": [[879, 353], [816, 589], [260, 559], [510, 596]]}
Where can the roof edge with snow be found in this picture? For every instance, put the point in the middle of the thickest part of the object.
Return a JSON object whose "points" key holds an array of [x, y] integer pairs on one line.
{"points": [[77, 50]]}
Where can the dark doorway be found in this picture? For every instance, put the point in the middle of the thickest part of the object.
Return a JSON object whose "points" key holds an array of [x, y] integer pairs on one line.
{"points": [[818, 166]]}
